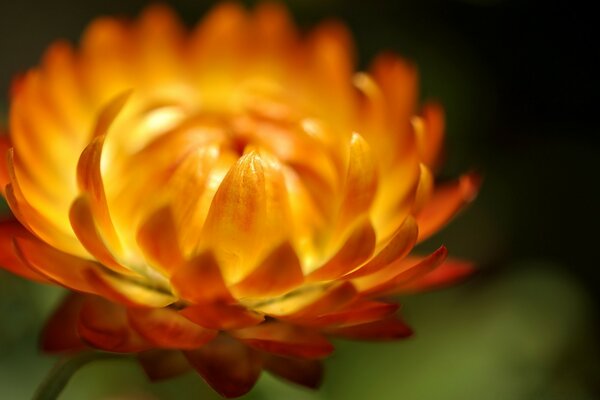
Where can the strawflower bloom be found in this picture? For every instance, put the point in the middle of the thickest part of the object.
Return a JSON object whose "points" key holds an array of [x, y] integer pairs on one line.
{"points": [[225, 199]]}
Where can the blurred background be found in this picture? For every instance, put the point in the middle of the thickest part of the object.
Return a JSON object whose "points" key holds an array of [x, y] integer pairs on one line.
{"points": [[519, 86]]}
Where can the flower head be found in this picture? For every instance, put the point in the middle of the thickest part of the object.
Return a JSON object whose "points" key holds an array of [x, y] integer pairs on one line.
{"points": [[224, 199]]}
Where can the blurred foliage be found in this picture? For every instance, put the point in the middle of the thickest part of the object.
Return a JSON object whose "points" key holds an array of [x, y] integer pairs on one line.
{"points": [[515, 89]]}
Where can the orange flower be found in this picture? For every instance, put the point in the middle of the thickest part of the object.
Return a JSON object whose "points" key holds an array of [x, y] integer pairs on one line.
{"points": [[224, 199]]}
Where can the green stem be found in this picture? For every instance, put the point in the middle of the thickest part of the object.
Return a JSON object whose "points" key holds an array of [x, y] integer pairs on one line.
{"points": [[64, 369]]}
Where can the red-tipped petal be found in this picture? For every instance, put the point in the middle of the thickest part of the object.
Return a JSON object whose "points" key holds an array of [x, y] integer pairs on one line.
{"points": [[399, 246], [449, 272], [60, 332], [163, 364], [446, 201], [307, 373], [200, 281], [399, 274], [221, 316], [385, 329], [285, 340], [227, 365], [356, 313], [104, 325], [167, 329], [9, 259], [279, 273], [333, 299]]}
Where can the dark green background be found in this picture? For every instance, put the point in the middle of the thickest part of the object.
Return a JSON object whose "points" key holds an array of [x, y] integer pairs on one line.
{"points": [[521, 91]]}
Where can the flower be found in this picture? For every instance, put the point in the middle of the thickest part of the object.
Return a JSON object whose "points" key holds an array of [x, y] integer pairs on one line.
{"points": [[225, 199]]}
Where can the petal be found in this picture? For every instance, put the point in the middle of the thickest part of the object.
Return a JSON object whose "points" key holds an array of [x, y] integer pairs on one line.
{"points": [[424, 189], [157, 237], [307, 373], [308, 302], [285, 340], [167, 329], [430, 138], [396, 275], [277, 274], [248, 215], [356, 313], [446, 201], [9, 259], [89, 176], [399, 246], [163, 364], [200, 281], [449, 272], [386, 329], [60, 331], [128, 291], [361, 181], [84, 226], [228, 366], [103, 325], [222, 316], [357, 249]]}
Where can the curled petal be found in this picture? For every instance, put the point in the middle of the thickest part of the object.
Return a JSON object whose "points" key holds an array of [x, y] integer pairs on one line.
{"points": [[60, 332], [446, 201], [399, 246], [285, 340], [104, 325], [357, 249], [431, 137], [163, 364], [228, 366], [277, 274], [424, 189], [304, 372], [167, 329]]}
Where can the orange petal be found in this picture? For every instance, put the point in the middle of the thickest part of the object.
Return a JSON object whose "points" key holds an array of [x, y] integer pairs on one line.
{"points": [[167, 329], [228, 366], [399, 246], [60, 331], [386, 329], [446, 201], [56, 266], [9, 259], [333, 299], [399, 274], [307, 373], [361, 180], [163, 364], [431, 138], [248, 215], [128, 292], [221, 316], [356, 313], [103, 324], [285, 340], [424, 189], [200, 281], [357, 249], [277, 274], [157, 237], [84, 226], [89, 176], [449, 272]]}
